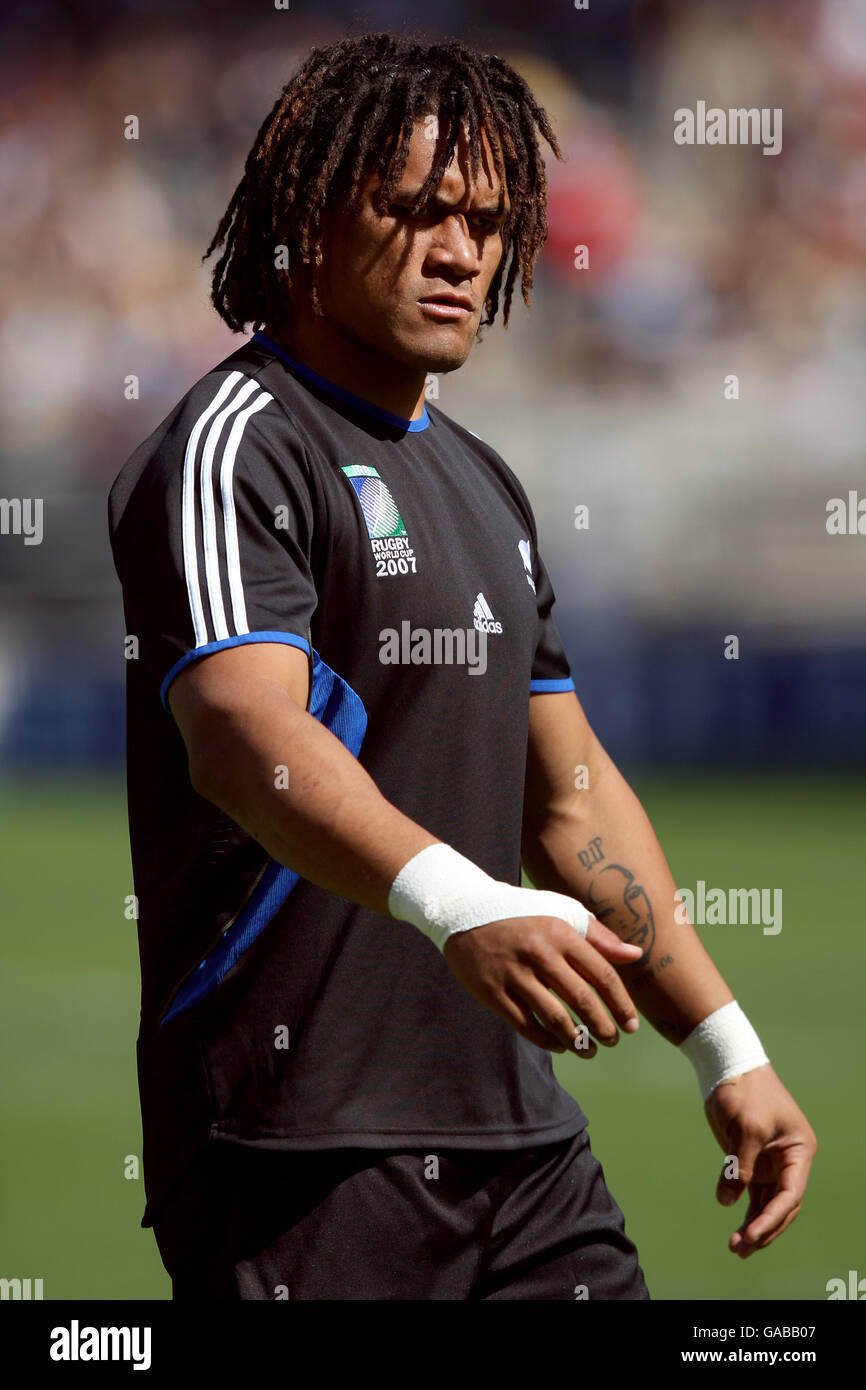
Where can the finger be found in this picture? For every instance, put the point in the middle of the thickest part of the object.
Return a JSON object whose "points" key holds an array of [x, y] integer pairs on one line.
{"points": [[772, 1207], [745, 1152], [583, 1045], [550, 1011], [744, 1247], [609, 944], [766, 1240], [744, 1241], [738, 1242], [592, 967], [578, 995], [522, 1019]]}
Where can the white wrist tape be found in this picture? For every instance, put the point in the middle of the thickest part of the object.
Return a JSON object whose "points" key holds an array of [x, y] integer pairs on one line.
{"points": [[723, 1046], [442, 892]]}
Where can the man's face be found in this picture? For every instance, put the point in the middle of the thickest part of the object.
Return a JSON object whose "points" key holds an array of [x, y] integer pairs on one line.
{"points": [[384, 277]]}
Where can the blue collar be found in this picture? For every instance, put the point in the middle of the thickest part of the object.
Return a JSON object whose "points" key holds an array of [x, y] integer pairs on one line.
{"points": [[412, 426]]}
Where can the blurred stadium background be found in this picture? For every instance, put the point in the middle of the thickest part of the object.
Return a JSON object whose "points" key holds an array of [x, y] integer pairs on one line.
{"points": [[707, 518]]}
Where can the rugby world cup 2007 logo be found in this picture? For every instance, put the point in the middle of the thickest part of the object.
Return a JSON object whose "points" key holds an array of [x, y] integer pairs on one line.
{"points": [[389, 539]]}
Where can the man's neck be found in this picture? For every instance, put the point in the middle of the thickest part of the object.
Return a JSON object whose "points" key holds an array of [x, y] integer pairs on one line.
{"points": [[356, 367]]}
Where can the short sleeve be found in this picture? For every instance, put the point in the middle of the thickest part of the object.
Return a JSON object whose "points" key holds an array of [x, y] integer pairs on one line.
{"points": [[214, 545], [550, 668]]}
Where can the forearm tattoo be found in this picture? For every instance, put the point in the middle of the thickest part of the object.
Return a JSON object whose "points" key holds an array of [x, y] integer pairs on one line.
{"points": [[623, 905]]}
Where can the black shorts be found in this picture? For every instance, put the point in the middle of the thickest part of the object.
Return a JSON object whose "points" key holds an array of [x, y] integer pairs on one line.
{"points": [[244, 1223]]}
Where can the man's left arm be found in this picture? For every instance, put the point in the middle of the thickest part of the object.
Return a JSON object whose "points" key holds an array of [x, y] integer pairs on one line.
{"points": [[586, 834]]}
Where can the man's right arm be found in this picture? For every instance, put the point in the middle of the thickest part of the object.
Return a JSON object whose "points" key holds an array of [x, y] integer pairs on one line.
{"points": [[242, 715]]}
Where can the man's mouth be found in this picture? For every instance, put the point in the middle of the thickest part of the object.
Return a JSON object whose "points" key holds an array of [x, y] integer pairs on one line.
{"points": [[448, 306]]}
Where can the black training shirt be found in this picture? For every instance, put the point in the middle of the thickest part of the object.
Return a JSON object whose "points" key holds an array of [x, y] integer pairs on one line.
{"points": [[401, 556]]}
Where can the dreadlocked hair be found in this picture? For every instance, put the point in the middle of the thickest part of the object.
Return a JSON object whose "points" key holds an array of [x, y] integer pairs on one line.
{"points": [[349, 111]]}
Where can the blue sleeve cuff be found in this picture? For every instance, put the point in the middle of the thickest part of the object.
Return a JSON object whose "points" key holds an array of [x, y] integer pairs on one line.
{"points": [[290, 638], [537, 687]]}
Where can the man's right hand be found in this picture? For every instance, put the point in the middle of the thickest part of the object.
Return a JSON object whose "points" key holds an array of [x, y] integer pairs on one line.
{"points": [[511, 966]]}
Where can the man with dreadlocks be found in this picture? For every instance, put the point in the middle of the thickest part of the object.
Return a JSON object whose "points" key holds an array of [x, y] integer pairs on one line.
{"points": [[350, 722]]}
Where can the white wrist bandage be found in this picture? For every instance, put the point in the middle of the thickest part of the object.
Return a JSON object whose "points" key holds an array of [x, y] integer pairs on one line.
{"points": [[442, 892], [723, 1046]]}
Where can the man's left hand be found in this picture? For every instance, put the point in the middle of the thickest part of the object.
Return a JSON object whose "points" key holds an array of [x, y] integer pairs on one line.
{"points": [[757, 1121]]}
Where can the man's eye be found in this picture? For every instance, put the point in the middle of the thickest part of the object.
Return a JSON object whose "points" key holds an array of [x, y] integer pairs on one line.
{"points": [[417, 212]]}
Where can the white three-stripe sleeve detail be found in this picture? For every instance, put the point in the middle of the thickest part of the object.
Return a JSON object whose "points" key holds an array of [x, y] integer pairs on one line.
{"points": [[208, 510], [230, 523], [190, 558]]}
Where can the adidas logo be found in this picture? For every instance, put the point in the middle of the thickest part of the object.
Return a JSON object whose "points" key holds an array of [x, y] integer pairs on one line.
{"points": [[482, 617]]}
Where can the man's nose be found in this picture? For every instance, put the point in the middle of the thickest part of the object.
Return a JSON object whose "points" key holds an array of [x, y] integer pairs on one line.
{"points": [[454, 245]]}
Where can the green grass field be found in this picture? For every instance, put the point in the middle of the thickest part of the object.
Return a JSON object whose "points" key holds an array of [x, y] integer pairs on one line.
{"points": [[69, 1111]]}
